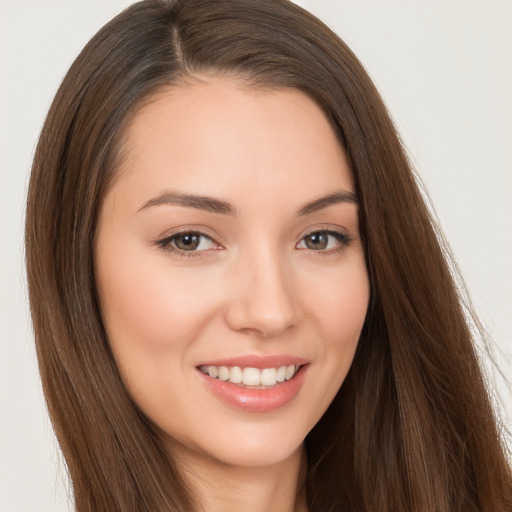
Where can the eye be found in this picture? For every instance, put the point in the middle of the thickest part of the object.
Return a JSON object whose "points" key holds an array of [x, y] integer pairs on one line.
{"points": [[187, 242], [326, 240]]}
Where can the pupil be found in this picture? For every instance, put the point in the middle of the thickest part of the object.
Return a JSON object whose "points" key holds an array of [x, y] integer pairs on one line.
{"points": [[317, 241]]}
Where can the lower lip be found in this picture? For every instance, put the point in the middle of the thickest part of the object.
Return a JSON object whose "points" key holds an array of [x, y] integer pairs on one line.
{"points": [[256, 400]]}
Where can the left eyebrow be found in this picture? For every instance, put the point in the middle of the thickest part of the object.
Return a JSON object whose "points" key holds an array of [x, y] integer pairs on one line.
{"points": [[340, 196]]}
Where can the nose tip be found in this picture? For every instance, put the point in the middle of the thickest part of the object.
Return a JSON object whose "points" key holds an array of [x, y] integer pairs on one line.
{"points": [[266, 324], [265, 306]]}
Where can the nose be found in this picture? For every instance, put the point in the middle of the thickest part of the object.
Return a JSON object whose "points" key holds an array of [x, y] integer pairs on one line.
{"points": [[263, 301]]}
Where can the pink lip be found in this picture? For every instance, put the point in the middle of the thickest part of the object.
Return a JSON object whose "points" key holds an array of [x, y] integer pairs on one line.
{"points": [[260, 362], [256, 400]]}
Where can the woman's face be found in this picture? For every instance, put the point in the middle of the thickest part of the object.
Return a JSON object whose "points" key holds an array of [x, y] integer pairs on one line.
{"points": [[228, 250]]}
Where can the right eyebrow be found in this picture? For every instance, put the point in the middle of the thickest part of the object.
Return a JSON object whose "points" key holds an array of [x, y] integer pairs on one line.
{"points": [[210, 204]]}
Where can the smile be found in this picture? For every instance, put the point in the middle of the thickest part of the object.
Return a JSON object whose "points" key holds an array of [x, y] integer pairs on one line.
{"points": [[249, 377], [255, 384]]}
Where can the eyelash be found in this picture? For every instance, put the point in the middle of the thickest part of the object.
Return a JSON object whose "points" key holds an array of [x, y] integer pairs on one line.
{"points": [[166, 243]]}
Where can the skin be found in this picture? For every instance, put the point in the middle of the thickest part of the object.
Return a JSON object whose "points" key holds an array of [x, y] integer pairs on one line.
{"points": [[253, 287]]}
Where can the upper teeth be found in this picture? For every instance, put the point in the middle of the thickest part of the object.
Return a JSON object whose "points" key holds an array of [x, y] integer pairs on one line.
{"points": [[251, 376]]}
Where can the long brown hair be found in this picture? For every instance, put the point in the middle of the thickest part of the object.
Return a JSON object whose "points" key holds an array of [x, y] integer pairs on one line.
{"points": [[411, 429]]}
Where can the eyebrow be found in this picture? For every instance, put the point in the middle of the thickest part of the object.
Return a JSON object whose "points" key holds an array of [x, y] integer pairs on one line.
{"points": [[340, 196], [211, 204]]}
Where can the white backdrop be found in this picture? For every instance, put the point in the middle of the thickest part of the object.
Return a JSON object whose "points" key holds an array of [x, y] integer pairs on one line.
{"points": [[444, 68]]}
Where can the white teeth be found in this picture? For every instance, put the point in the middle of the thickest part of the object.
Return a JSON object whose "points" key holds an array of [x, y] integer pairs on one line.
{"points": [[269, 377], [290, 372], [251, 376], [235, 375], [223, 373]]}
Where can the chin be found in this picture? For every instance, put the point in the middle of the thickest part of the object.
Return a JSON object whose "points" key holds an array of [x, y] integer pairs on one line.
{"points": [[248, 446]]}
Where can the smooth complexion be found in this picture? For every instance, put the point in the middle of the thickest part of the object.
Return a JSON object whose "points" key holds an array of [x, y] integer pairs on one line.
{"points": [[230, 238]]}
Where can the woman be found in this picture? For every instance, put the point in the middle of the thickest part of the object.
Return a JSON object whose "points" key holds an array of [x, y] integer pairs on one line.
{"points": [[218, 194]]}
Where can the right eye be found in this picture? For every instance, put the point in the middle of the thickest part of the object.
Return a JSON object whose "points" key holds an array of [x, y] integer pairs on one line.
{"points": [[187, 242]]}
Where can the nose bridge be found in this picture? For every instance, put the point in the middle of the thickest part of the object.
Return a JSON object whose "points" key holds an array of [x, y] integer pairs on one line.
{"points": [[264, 302]]}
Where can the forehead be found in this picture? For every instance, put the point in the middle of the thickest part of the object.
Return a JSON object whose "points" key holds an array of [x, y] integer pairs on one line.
{"points": [[220, 137]]}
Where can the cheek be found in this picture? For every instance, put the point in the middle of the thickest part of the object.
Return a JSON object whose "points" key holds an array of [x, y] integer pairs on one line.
{"points": [[152, 317], [340, 310], [148, 309], [341, 307]]}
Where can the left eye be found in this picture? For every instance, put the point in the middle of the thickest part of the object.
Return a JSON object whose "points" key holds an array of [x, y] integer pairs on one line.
{"points": [[191, 242], [322, 240]]}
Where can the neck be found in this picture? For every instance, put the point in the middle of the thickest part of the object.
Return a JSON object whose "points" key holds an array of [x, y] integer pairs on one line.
{"points": [[224, 488]]}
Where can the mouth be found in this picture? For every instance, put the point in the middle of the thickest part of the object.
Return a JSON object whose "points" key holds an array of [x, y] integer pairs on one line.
{"points": [[256, 385], [252, 378]]}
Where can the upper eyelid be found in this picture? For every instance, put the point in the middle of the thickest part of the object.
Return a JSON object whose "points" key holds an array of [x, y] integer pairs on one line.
{"points": [[324, 228], [342, 237], [202, 231]]}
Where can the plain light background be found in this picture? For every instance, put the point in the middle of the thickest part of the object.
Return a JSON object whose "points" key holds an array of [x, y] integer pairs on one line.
{"points": [[444, 68]]}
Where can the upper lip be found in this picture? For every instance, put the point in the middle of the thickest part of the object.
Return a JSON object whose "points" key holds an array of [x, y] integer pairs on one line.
{"points": [[257, 361]]}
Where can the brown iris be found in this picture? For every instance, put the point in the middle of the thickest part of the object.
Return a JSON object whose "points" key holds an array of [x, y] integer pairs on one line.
{"points": [[187, 242], [317, 241]]}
